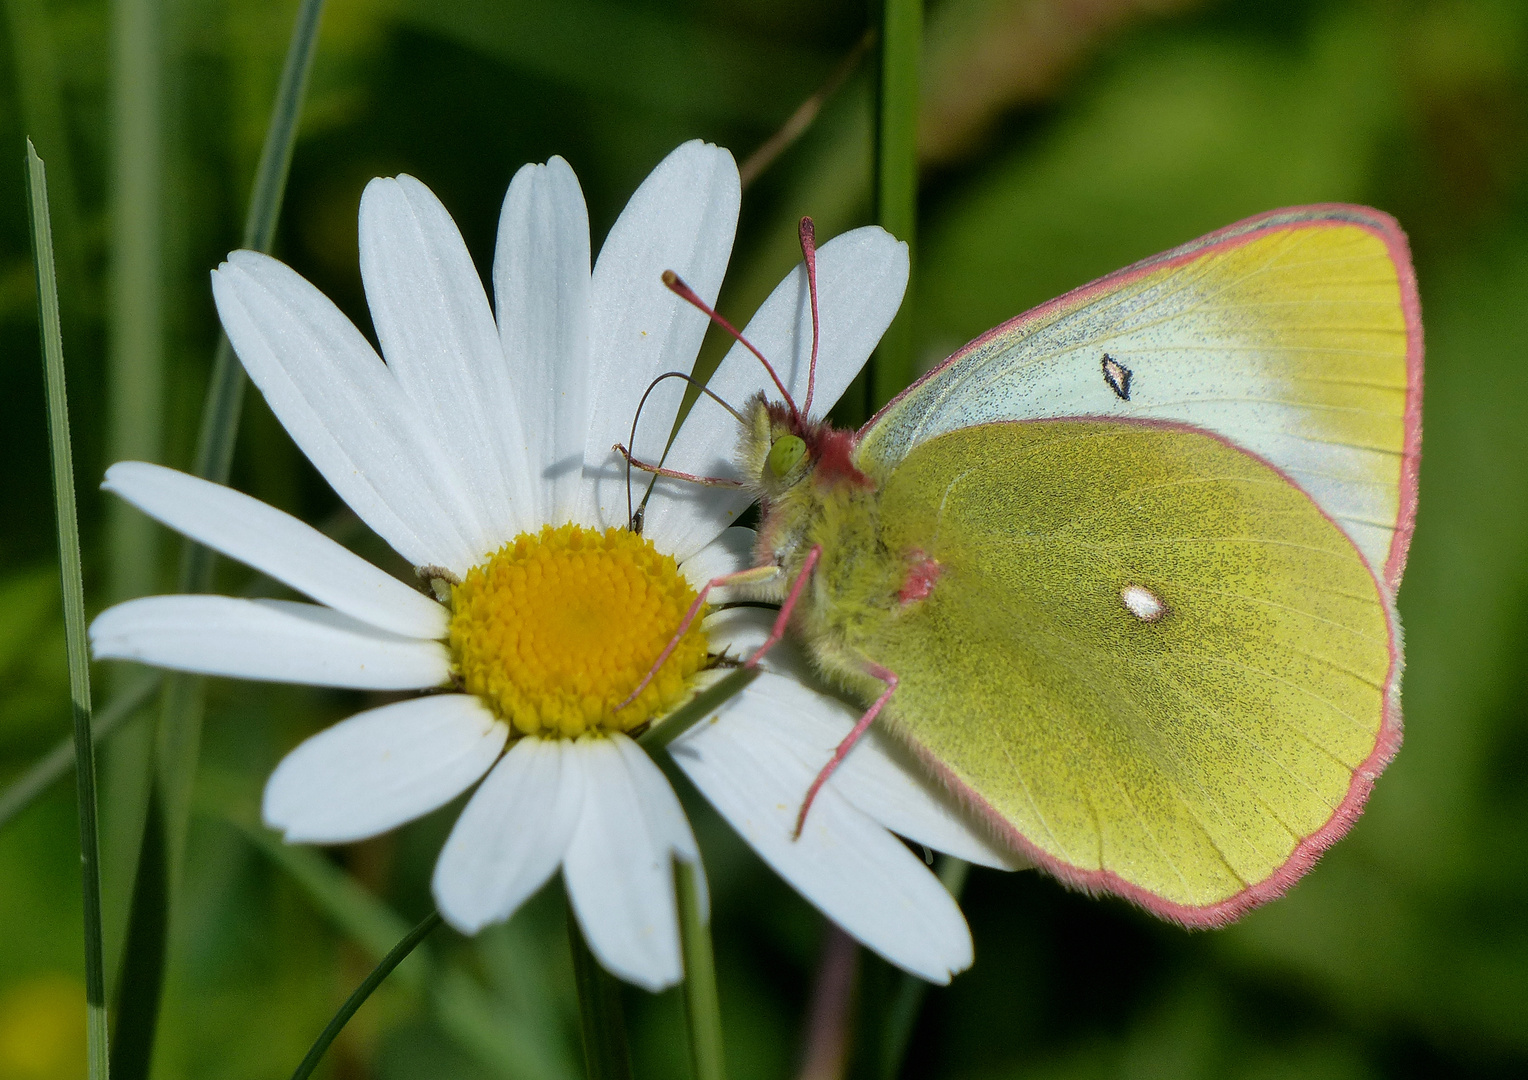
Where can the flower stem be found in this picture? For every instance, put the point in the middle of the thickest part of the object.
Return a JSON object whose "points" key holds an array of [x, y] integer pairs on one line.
{"points": [[606, 1056], [97, 1045], [701, 1005], [395, 956], [896, 176]]}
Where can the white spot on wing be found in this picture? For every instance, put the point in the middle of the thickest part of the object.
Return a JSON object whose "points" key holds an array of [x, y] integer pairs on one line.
{"points": [[1142, 603]]}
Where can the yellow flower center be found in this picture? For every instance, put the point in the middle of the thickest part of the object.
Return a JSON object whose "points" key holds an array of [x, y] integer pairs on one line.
{"points": [[555, 631]]}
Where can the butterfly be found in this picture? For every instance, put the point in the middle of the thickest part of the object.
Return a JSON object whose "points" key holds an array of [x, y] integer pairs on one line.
{"points": [[1122, 571]]}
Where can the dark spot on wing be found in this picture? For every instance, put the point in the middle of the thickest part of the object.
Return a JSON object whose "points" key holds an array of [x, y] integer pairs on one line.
{"points": [[1118, 376]]}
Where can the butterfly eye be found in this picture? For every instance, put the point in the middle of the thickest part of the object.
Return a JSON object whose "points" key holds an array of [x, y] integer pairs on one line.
{"points": [[785, 453]]}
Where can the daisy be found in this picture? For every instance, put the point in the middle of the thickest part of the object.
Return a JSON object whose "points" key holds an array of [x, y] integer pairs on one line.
{"points": [[481, 451]]}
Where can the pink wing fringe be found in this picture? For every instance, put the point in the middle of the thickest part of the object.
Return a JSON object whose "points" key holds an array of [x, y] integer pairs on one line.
{"points": [[1387, 578]]}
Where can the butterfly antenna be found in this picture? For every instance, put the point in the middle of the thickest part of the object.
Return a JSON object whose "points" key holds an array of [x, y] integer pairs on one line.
{"points": [[809, 253], [677, 286], [633, 514]]}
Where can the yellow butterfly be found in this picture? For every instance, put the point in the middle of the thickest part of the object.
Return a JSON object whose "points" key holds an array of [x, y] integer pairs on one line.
{"points": [[1122, 571]]}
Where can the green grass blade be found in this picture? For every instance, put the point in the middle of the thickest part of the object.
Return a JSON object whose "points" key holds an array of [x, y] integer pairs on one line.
{"points": [[225, 388], [701, 1005], [606, 1053], [74, 606], [395, 956], [896, 176], [53, 766], [143, 951], [907, 998]]}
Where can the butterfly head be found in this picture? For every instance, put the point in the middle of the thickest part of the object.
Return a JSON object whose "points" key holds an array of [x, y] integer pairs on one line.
{"points": [[774, 448], [779, 449]]}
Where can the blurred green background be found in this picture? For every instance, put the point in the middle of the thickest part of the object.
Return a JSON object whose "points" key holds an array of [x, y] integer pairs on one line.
{"points": [[1060, 139]]}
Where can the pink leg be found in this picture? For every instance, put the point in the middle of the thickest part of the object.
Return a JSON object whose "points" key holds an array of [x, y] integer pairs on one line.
{"points": [[783, 619], [753, 574], [890, 679]]}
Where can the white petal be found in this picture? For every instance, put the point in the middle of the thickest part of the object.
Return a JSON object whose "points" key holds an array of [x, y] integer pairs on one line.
{"points": [[682, 219], [275, 640], [541, 293], [381, 768], [852, 869], [512, 834], [619, 867], [879, 776], [727, 554], [277, 544], [664, 814], [861, 276], [438, 335], [345, 410]]}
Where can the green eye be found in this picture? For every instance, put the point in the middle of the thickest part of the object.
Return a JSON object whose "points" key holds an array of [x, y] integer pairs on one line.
{"points": [[785, 453]]}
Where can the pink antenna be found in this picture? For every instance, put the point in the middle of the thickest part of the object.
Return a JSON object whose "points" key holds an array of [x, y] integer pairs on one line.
{"points": [[809, 253], [677, 286]]}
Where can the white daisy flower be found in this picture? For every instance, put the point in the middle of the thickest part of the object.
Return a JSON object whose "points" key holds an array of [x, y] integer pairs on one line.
{"points": [[481, 451]]}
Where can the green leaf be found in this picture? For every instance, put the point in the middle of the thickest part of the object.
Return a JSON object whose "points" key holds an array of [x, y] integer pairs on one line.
{"points": [[62, 458]]}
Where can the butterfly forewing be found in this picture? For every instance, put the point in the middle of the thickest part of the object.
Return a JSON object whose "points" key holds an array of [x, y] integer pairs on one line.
{"points": [[1295, 335]]}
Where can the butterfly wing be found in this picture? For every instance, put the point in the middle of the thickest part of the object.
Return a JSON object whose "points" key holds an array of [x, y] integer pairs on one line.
{"points": [[1296, 335], [1194, 754]]}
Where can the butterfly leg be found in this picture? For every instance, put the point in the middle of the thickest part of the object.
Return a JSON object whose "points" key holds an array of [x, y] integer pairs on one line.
{"points": [[887, 676], [782, 620], [753, 576]]}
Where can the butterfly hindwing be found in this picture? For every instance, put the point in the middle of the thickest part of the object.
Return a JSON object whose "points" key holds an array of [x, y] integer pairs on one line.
{"points": [[1153, 664]]}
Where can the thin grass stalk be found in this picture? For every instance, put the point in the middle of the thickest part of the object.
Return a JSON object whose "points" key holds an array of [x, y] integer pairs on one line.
{"points": [[62, 459], [395, 956], [701, 1005], [606, 1053], [896, 177], [907, 998]]}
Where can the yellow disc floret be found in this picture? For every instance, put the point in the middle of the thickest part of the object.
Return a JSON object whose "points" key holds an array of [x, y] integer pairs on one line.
{"points": [[555, 631]]}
